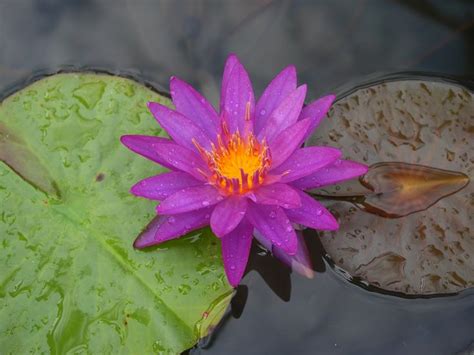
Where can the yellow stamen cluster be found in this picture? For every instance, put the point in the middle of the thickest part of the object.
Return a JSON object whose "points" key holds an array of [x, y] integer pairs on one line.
{"points": [[238, 164]]}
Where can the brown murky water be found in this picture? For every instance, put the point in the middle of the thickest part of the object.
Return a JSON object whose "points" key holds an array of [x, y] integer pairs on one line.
{"points": [[409, 226]]}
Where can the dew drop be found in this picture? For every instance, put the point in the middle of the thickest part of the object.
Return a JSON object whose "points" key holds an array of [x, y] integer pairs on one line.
{"points": [[263, 111]]}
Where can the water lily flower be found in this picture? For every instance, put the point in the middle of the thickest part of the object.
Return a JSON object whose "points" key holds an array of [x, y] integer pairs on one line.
{"points": [[242, 170]]}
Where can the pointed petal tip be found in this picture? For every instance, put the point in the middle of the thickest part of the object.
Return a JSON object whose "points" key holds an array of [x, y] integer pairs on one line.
{"points": [[336, 153], [152, 106], [129, 141], [358, 169], [326, 100], [291, 69], [302, 89], [139, 244], [234, 283], [288, 71], [174, 80], [363, 168], [232, 56], [332, 223], [331, 97], [133, 190], [137, 190], [233, 276], [124, 139]]}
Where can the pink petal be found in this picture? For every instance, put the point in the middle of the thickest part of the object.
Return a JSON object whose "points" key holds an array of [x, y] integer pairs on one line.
{"points": [[238, 102], [274, 225], [317, 110], [278, 89], [277, 194], [229, 65], [312, 214], [193, 105], [306, 161], [336, 172], [161, 186], [285, 115], [228, 214], [300, 262], [144, 145], [190, 199], [235, 251], [180, 128], [288, 141], [167, 153], [163, 228]]}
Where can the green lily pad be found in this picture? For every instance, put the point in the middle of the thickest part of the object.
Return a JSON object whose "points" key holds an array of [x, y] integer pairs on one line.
{"points": [[70, 280]]}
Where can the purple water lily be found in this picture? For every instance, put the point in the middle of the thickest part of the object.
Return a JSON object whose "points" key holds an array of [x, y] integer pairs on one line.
{"points": [[242, 170]]}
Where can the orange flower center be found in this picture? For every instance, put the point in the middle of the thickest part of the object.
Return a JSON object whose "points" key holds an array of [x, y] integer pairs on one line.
{"points": [[238, 164]]}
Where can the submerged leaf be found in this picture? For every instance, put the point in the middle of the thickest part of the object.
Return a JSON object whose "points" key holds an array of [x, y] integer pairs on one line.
{"points": [[71, 281], [399, 189], [15, 153], [428, 126]]}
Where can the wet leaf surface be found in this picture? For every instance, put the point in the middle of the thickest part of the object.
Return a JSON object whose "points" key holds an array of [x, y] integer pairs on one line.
{"points": [[428, 125], [15, 153], [71, 281]]}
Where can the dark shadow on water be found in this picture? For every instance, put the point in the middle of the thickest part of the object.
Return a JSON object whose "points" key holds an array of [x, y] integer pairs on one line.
{"points": [[275, 274]]}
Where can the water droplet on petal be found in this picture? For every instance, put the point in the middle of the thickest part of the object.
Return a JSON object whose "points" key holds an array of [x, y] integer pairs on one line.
{"points": [[272, 214], [263, 111], [205, 203], [171, 220]]}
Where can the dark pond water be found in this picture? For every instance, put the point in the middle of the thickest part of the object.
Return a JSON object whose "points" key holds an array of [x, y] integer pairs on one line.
{"points": [[333, 44]]}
